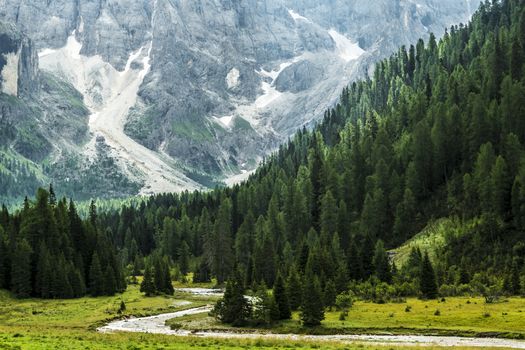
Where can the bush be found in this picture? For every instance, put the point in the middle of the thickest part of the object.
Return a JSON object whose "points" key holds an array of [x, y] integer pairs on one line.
{"points": [[437, 313], [344, 300]]}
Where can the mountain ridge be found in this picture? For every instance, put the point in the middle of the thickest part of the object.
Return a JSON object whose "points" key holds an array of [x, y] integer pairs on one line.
{"points": [[209, 108]]}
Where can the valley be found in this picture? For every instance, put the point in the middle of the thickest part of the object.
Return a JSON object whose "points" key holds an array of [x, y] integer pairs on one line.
{"points": [[40, 326], [368, 174]]}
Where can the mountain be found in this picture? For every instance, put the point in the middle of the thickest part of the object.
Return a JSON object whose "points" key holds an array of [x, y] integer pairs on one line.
{"points": [[185, 94], [428, 152], [433, 143]]}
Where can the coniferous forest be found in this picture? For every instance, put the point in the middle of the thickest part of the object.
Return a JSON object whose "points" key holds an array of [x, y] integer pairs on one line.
{"points": [[48, 251], [437, 131]]}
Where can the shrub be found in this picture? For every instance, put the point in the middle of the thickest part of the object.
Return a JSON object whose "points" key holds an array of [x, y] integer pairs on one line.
{"points": [[344, 300]]}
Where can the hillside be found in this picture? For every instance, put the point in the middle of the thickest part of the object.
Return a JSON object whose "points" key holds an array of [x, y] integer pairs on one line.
{"points": [[435, 133]]}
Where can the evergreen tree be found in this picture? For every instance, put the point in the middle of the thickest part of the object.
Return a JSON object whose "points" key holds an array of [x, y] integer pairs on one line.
{"points": [[44, 273], [147, 285], [293, 289], [515, 279], [427, 285], [110, 283], [21, 269], [96, 277], [218, 246], [184, 258], [281, 298], [312, 309], [330, 294], [233, 308], [382, 263], [202, 275]]}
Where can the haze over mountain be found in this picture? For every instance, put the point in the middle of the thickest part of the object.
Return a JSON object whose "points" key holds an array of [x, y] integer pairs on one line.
{"points": [[115, 98]]}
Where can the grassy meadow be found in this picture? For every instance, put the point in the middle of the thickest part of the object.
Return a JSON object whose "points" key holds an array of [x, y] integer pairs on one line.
{"points": [[70, 324]]}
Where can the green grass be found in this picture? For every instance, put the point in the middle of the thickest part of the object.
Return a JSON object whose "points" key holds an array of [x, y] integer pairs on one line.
{"points": [[431, 239], [457, 316], [70, 324], [191, 131]]}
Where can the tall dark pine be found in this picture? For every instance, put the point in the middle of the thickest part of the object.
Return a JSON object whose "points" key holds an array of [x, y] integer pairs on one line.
{"points": [[148, 285], [312, 309], [233, 308], [281, 298], [21, 270], [96, 277], [293, 289], [427, 283], [382, 263]]}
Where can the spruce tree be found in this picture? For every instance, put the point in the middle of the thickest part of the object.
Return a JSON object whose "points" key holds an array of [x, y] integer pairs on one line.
{"points": [[293, 289], [21, 269], [329, 294], [96, 277], [44, 273], [168, 286], [110, 283], [515, 279], [233, 308], [312, 309], [427, 283], [281, 298], [147, 285], [382, 263], [184, 258]]}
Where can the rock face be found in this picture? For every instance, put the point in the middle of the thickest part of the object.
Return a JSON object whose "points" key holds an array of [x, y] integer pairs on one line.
{"points": [[18, 63], [219, 83]]}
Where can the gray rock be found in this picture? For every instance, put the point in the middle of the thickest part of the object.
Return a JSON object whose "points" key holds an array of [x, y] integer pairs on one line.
{"points": [[299, 77], [221, 58]]}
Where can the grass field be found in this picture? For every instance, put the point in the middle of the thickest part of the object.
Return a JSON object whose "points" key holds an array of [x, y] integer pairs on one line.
{"points": [[70, 324], [455, 316]]}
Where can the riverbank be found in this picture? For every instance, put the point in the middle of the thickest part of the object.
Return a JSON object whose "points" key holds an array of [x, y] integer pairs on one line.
{"points": [[37, 324]]}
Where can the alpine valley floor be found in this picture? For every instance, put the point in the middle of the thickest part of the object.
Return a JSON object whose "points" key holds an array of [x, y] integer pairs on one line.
{"points": [[50, 324]]}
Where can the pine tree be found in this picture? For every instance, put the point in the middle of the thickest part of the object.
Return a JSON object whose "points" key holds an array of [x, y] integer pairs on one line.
{"points": [[202, 275], [218, 245], [96, 277], [21, 269], [293, 289], [233, 308], [354, 261], [312, 309], [184, 258], [281, 298], [147, 285], [168, 286], [427, 284], [44, 273], [77, 283], [515, 279], [330, 294], [382, 263], [110, 283]]}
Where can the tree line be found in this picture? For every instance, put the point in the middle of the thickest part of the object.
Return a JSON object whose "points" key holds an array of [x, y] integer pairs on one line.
{"points": [[438, 131], [48, 251]]}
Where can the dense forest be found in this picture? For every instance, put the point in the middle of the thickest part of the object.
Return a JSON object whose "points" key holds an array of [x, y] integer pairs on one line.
{"points": [[48, 251], [438, 131]]}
